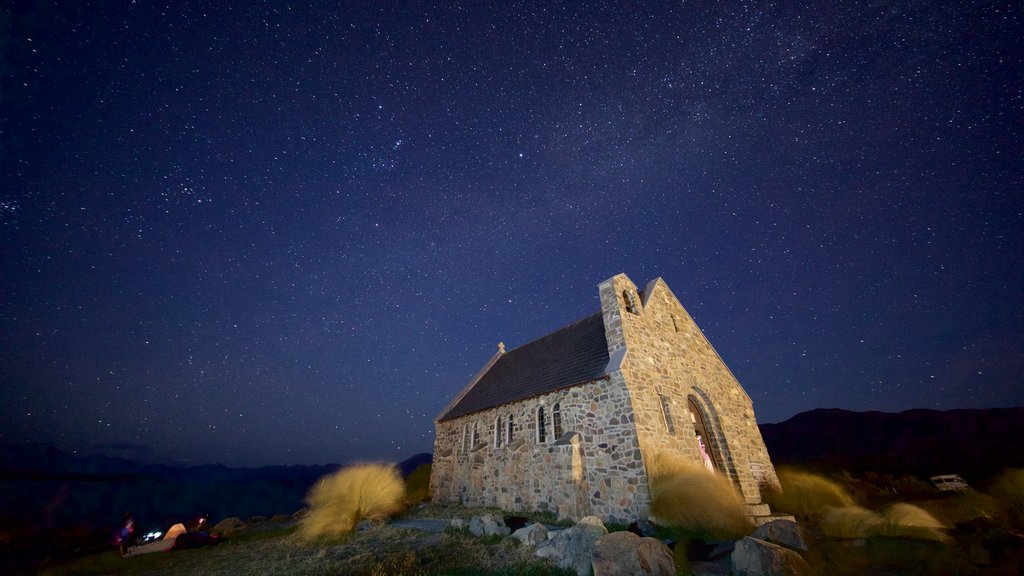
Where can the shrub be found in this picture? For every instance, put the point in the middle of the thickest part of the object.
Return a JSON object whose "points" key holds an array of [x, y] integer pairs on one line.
{"points": [[688, 497], [804, 493], [340, 501]]}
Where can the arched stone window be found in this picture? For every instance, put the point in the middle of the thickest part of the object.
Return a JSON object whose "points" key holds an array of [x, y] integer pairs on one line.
{"points": [[556, 420], [630, 299], [511, 420], [541, 432], [666, 411], [499, 425]]}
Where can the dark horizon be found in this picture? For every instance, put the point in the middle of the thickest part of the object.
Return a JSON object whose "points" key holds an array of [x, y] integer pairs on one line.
{"points": [[292, 234]]}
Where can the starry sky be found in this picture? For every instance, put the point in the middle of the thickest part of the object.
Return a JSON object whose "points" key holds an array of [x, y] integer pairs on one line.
{"points": [[267, 233]]}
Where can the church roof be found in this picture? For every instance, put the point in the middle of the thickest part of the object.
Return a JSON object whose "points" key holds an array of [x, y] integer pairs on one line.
{"points": [[575, 354]]}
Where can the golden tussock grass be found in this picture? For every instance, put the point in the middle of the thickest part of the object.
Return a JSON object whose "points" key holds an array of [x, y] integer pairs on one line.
{"points": [[896, 520], [804, 493], [686, 495], [849, 522], [340, 501], [1009, 487], [902, 519]]}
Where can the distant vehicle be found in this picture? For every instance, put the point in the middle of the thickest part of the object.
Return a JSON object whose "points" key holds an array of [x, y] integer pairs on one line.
{"points": [[949, 483]]}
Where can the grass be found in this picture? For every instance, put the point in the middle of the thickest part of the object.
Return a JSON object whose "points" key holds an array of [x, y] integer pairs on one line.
{"points": [[695, 501], [1008, 488], [909, 521], [337, 503], [382, 550], [804, 493], [899, 520]]}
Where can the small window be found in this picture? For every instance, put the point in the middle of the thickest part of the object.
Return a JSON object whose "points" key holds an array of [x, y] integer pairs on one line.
{"points": [[630, 300], [465, 437], [666, 411], [556, 418], [541, 432], [476, 435], [499, 424], [508, 437], [675, 323]]}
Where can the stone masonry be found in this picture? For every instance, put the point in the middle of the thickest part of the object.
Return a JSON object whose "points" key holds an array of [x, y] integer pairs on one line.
{"points": [[663, 385]]}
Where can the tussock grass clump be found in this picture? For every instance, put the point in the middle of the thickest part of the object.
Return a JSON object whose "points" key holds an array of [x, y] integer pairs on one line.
{"points": [[906, 520], [687, 496], [340, 501], [1008, 488], [898, 520], [849, 522], [804, 493]]}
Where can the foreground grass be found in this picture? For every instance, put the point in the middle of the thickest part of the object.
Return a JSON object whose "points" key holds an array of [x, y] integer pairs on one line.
{"points": [[384, 550]]}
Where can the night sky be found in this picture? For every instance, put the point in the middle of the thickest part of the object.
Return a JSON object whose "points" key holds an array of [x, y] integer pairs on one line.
{"points": [[276, 234]]}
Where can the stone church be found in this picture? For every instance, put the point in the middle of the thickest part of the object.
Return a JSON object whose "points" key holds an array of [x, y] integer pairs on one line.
{"points": [[567, 422]]}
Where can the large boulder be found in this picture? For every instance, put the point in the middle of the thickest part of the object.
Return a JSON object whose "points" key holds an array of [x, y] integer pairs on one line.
{"points": [[784, 533], [753, 557], [573, 548], [626, 554], [531, 535]]}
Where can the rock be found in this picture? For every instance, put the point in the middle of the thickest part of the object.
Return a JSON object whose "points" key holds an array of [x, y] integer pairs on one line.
{"points": [[229, 526], [784, 533], [753, 557], [494, 525], [531, 535], [573, 548], [364, 525], [459, 523], [626, 554], [488, 524], [593, 521]]}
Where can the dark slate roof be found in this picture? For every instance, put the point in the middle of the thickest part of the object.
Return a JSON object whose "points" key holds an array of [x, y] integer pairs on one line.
{"points": [[572, 355]]}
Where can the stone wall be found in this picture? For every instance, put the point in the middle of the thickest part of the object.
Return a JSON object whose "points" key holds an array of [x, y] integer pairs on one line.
{"points": [[593, 468], [669, 364]]}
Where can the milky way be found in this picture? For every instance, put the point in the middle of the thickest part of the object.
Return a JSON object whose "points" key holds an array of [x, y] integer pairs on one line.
{"points": [[290, 234]]}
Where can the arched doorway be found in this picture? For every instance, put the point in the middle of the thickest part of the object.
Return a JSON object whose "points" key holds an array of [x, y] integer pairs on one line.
{"points": [[703, 437]]}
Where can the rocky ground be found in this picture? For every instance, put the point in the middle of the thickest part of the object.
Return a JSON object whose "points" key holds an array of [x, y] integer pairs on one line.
{"points": [[447, 540]]}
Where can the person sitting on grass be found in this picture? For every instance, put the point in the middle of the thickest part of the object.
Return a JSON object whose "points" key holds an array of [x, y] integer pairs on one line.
{"points": [[125, 534]]}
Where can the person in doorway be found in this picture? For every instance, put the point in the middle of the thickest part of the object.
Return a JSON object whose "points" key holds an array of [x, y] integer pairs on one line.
{"points": [[704, 454]]}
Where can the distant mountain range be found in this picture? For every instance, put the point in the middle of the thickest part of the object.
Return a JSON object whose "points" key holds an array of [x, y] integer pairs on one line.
{"points": [[43, 488], [973, 443]]}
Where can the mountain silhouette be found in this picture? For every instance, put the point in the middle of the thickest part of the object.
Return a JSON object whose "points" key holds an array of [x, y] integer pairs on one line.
{"points": [[973, 443]]}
